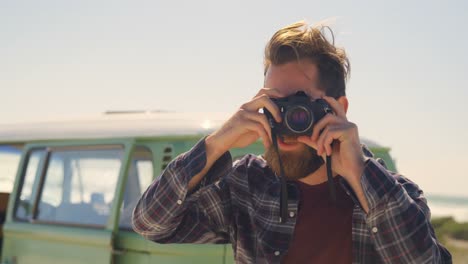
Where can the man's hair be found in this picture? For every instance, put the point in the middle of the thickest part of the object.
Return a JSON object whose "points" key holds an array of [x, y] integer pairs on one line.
{"points": [[300, 41]]}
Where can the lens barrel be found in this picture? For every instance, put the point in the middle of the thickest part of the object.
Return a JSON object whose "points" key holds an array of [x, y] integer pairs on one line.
{"points": [[299, 114], [298, 118]]}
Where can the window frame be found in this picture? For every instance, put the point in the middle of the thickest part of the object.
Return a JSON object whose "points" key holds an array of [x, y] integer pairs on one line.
{"points": [[127, 177], [38, 189], [22, 171]]}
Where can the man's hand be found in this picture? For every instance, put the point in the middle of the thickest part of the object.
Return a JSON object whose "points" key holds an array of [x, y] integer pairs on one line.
{"points": [[242, 129], [346, 152], [247, 124]]}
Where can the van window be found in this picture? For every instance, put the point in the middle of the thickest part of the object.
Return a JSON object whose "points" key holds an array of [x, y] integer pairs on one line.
{"points": [[79, 186], [31, 175], [140, 176], [9, 161]]}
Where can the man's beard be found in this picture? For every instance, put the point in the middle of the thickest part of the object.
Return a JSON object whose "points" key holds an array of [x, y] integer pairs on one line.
{"points": [[296, 164]]}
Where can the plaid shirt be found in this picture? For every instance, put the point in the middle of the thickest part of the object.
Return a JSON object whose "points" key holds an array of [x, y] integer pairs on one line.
{"points": [[239, 204]]}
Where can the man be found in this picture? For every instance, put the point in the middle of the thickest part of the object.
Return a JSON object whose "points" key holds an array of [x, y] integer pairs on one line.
{"points": [[378, 216]]}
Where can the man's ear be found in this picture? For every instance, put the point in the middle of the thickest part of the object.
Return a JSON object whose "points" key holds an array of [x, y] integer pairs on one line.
{"points": [[344, 102]]}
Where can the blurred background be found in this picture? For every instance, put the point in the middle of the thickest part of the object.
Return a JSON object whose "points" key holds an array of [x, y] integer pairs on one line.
{"points": [[64, 59]]}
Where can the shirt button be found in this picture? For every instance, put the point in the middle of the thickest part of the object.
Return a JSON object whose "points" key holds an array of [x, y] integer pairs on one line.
{"points": [[179, 202], [375, 230], [277, 253], [291, 214]]}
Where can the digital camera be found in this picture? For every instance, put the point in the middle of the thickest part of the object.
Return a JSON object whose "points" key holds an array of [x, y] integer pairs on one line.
{"points": [[299, 114]]}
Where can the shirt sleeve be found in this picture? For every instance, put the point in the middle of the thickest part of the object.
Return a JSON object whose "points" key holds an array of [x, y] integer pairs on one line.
{"points": [[399, 218], [168, 213]]}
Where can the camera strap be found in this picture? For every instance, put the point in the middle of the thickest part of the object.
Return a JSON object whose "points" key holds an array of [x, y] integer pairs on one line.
{"points": [[331, 185], [284, 189]]}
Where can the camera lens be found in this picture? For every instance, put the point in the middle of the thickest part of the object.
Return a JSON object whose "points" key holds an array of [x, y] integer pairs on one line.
{"points": [[298, 119]]}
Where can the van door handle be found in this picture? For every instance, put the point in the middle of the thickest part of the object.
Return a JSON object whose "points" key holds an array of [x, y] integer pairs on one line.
{"points": [[118, 251]]}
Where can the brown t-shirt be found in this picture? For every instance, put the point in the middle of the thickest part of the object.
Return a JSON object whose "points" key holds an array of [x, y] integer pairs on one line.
{"points": [[323, 232]]}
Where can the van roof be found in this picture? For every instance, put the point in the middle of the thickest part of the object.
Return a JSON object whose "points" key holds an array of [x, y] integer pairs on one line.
{"points": [[114, 125], [120, 125]]}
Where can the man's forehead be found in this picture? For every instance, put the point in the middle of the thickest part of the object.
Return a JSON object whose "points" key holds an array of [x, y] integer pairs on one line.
{"points": [[291, 77]]}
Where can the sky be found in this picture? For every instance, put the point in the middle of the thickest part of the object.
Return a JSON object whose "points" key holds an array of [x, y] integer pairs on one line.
{"points": [[407, 89]]}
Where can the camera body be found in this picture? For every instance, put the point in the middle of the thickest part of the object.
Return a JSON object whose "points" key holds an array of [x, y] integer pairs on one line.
{"points": [[299, 114]]}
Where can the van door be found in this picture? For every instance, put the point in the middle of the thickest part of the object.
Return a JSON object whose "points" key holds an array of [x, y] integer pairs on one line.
{"points": [[10, 155], [148, 160], [64, 200], [132, 247]]}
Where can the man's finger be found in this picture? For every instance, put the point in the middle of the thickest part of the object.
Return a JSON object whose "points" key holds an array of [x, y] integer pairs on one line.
{"points": [[336, 106], [260, 130], [327, 143], [270, 92], [321, 124], [308, 141], [260, 118], [320, 141], [263, 101]]}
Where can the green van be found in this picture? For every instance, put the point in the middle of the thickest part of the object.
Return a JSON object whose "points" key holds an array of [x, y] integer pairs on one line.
{"points": [[68, 188]]}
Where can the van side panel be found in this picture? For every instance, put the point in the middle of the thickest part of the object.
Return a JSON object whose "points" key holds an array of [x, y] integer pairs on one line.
{"points": [[32, 244]]}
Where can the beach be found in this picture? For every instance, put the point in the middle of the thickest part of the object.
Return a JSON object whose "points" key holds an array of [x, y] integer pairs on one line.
{"points": [[449, 216], [446, 205]]}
